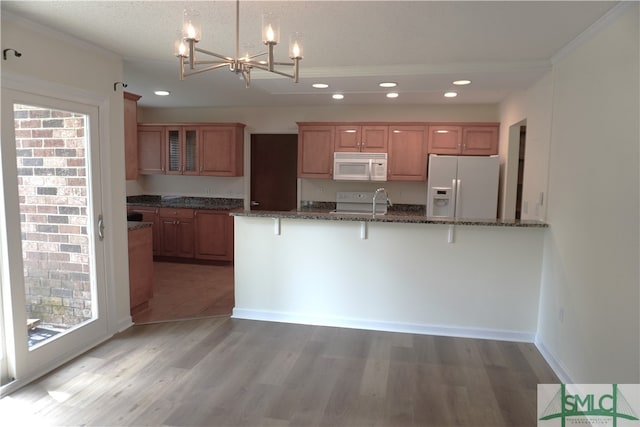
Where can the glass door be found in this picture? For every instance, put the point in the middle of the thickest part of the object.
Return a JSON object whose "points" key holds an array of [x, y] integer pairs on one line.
{"points": [[52, 203]]}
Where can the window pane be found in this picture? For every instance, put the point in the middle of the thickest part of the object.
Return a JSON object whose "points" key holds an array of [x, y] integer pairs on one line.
{"points": [[53, 194]]}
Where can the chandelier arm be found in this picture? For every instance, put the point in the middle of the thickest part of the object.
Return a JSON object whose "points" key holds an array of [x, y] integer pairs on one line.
{"points": [[202, 70], [257, 55], [217, 55], [213, 62], [290, 64], [291, 76], [259, 66]]}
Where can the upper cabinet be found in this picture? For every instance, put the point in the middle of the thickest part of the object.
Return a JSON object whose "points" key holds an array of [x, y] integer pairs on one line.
{"points": [[315, 151], [407, 153], [182, 150], [445, 139], [212, 149], [131, 135], [407, 144], [480, 140], [221, 150], [464, 139], [367, 138], [151, 147]]}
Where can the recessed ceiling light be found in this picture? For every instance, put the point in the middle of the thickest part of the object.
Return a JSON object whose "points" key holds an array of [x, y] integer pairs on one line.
{"points": [[337, 96], [462, 82], [162, 92], [388, 84], [451, 94], [320, 85], [392, 95]]}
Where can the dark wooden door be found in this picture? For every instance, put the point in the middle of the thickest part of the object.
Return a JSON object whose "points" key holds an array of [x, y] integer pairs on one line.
{"points": [[274, 171]]}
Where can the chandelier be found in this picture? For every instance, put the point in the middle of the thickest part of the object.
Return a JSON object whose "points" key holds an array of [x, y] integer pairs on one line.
{"points": [[185, 50]]}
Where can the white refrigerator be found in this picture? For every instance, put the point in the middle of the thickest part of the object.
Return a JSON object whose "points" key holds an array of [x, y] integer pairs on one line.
{"points": [[463, 187]]}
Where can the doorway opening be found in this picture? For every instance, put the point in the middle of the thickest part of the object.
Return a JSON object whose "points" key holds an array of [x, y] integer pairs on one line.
{"points": [[521, 153], [274, 172]]}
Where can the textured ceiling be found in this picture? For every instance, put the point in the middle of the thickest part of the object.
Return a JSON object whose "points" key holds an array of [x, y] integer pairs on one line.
{"points": [[351, 45]]}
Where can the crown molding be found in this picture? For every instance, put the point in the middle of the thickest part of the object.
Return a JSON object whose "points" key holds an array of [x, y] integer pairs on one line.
{"points": [[607, 19]]}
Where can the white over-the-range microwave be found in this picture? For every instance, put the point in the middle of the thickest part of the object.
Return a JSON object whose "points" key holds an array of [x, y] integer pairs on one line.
{"points": [[359, 166]]}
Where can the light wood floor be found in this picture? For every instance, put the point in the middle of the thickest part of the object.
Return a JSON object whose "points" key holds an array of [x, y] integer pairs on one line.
{"points": [[188, 291], [229, 372]]}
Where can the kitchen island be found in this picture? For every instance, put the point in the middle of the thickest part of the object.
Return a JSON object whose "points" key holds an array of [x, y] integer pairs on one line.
{"points": [[398, 272]]}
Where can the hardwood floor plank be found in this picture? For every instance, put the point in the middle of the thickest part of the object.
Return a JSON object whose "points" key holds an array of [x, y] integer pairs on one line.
{"points": [[230, 372]]}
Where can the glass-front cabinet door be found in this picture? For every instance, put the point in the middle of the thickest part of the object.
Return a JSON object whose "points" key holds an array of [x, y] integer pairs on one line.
{"points": [[182, 151], [190, 166]]}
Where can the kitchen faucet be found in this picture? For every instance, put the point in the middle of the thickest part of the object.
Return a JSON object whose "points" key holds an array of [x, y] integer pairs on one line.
{"points": [[375, 194]]}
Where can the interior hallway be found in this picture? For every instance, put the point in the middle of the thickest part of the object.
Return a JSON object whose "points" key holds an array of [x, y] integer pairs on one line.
{"points": [[188, 291]]}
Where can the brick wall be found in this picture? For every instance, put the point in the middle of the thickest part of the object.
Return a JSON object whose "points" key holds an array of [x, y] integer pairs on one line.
{"points": [[52, 186]]}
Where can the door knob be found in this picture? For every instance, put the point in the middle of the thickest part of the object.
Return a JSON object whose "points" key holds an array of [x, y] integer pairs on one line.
{"points": [[254, 203]]}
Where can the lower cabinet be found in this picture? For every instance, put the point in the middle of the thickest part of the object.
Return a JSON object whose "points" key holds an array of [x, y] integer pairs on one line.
{"points": [[149, 214], [187, 233], [214, 237], [140, 268], [177, 233]]}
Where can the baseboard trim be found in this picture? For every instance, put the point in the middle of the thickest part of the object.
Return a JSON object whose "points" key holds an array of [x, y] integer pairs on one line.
{"points": [[411, 328], [124, 324], [556, 366]]}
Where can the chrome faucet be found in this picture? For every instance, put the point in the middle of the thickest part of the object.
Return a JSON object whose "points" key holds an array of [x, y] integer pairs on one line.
{"points": [[375, 195]]}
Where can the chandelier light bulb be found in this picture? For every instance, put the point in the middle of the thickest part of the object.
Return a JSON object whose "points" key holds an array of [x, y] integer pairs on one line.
{"points": [[295, 46], [191, 25], [270, 29]]}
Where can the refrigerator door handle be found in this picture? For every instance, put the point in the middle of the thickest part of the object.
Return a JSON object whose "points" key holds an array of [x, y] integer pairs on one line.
{"points": [[454, 198], [457, 184]]}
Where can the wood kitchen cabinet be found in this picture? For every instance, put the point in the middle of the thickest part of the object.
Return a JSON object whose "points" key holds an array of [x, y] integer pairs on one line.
{"points": [[177, 232], [465, 140], [214, 235], [140, 268], [131, 135], [315, 151], [366, 138], [445, 140], [221, 150], [407, 160], [150, 214], [480, 140], [182, 150], [151, 149]]}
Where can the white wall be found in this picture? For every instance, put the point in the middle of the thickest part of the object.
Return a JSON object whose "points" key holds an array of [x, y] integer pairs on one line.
{"points": [[589, 318], [58, 60], [283, 120], [534, 106]]}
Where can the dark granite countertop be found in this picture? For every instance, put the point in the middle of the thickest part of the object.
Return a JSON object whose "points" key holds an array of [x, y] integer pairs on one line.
{"points": [[213, 203], [136, 225], [400, 216]]}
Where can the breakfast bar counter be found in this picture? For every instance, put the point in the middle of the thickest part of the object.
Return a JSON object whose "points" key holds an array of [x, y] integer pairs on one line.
{"points": [[397, 272], [391, 216]]}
